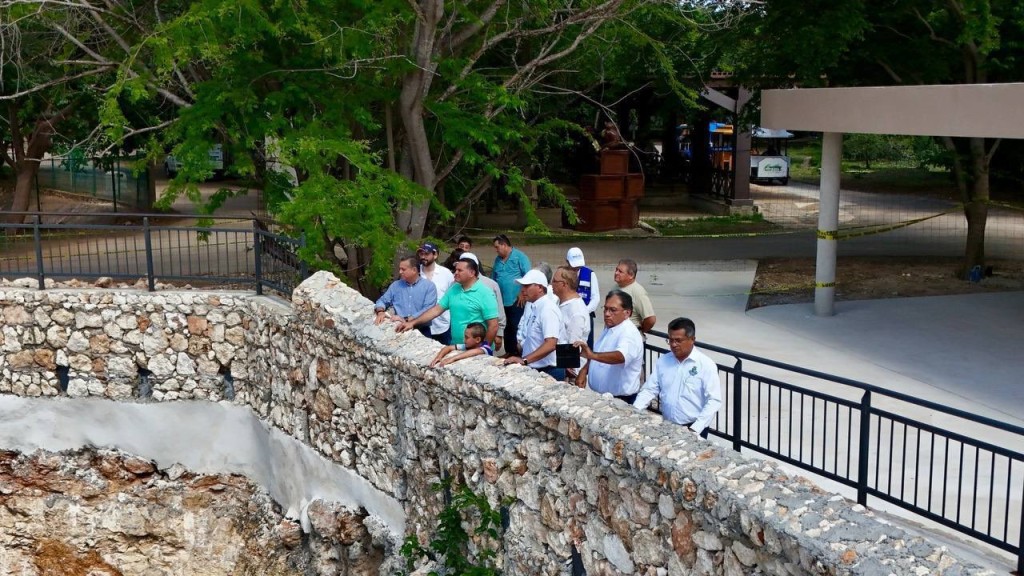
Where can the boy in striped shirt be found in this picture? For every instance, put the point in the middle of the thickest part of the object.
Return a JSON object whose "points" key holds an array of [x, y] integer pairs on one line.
{"points": [[473, 345]]}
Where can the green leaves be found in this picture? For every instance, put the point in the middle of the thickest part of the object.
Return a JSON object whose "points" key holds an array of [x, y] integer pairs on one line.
{"points": [[451, 541]]}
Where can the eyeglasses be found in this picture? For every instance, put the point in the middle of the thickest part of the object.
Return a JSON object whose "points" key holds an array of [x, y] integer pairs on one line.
{"points": [[677, 340], [613, 310]]}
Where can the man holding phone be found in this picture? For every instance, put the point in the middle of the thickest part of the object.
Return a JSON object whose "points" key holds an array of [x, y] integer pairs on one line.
{"points": [[615, 363]]}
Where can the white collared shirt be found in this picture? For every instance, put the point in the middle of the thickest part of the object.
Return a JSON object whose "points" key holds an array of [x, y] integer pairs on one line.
{"points": [[618, 379], [540, 321], [443, 280], [576, 319], [688, 391]]}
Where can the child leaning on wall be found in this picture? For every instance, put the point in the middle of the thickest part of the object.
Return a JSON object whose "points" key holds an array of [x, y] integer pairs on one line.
{"points": [[473, 345]]}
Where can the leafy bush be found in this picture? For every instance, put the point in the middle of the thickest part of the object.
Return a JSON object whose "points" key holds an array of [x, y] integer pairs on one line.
{"points": [[450, 545]]}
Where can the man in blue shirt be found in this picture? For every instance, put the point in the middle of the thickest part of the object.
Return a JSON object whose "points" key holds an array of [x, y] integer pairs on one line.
{"points": [[510, 265], [410, 295], [685, 382]]}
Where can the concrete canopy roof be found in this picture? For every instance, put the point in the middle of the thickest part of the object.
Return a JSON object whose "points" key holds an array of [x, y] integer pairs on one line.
{"points": [[967, 110]]}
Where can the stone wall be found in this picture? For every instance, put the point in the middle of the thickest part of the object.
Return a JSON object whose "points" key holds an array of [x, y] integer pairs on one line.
{"points": [[185, 342], [106, 513], [631, 494]]}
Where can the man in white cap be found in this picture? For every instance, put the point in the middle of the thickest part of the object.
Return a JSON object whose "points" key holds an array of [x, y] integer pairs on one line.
{"points": [[498, 340], [440, 327], [588, 287], [540, 330]]}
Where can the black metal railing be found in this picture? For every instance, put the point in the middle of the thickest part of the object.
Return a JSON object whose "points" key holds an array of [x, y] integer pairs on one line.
{"points": [[150, 248], [919, 455]]}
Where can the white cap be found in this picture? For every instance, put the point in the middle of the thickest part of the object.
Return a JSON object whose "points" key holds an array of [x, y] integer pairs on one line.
{"points": [[533, 277], [575, 257], [471, 256]]}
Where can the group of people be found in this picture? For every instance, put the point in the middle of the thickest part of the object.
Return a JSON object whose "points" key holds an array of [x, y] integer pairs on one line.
{"points": [[538, 316]]}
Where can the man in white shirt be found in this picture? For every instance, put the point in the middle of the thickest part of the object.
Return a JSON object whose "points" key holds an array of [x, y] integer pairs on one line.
{"points": [[617, 358], [575, 318], [540, 330], [440, 327], [685, 382]]}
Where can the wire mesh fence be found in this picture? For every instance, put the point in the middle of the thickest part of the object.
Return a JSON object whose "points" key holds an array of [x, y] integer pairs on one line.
{"points": [[115, 179]]}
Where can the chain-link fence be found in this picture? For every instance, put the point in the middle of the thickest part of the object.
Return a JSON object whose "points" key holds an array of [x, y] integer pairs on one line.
{"points": [[115, 179], [932, 222]]}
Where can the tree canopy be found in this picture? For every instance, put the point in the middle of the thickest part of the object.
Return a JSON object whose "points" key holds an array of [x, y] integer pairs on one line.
{"points": [[392, 113]]}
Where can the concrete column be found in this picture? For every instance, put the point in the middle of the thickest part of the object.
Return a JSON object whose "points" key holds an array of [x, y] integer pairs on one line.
{"points": [[741, 170], [828, 224], [741, 155]]}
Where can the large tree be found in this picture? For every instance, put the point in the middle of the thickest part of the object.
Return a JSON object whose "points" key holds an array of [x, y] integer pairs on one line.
{"points": [[389, 111], [58, 61]]}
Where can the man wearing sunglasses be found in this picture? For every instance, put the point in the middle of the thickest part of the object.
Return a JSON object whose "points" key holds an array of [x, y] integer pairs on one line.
{"points": [[617, 358]]}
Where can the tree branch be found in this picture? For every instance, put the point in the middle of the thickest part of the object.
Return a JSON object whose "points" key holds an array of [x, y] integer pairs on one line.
{"points": [[51, 83]]}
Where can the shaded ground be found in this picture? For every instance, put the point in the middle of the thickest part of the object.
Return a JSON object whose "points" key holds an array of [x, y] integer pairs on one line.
{"points": [[791, 280]]}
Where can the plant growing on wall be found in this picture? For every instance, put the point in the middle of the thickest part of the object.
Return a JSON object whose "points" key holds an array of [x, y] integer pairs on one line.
{"points": [[449, 547]]}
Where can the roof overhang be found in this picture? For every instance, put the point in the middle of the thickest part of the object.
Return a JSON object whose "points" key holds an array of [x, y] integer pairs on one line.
{"points": [[968, 110]]}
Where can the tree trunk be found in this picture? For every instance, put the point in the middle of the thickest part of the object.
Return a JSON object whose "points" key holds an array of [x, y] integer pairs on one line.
{"points": [[974, 250], [976, 206], [415, 87], [28, 156], [24, 184]]}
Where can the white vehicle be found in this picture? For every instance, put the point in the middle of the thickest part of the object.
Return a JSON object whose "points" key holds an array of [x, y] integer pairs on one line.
{"points": [[768, 158], [215, 159]]}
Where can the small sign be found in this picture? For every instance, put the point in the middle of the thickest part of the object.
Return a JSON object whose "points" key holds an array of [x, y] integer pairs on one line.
{"points": [[773, 167]]}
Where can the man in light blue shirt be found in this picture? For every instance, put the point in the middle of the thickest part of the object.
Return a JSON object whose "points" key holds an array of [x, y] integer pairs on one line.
{"points": [[510, 264], [685, 382], [410, 295]]}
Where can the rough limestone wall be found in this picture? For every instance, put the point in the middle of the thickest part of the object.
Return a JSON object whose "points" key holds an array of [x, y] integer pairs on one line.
{"points": [[108, 513], [633, 494], [185, 340]]}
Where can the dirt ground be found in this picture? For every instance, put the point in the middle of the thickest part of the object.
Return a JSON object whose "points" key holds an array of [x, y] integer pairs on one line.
{"points": [[791, 280]]}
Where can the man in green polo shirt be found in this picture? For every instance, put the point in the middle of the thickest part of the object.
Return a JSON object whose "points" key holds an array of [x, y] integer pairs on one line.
{"points": [[468, 301]]}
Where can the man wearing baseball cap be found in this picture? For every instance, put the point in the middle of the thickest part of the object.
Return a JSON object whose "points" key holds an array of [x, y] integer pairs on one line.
{"points": [[587, 287], [541, 329], [440, 327]]}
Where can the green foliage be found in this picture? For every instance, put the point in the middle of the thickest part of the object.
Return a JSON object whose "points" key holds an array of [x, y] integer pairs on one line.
{"points": [[318, 86], [733, 224], [869, 147], [358, 210], [450, 544]]}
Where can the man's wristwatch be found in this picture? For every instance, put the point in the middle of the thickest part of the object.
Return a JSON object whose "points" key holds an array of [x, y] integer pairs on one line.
{"points": [[526, 362]]}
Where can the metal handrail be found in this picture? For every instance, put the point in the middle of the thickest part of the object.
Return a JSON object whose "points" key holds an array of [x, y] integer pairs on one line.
{"points": [[856, 426], [853, 383], [187, 253]]}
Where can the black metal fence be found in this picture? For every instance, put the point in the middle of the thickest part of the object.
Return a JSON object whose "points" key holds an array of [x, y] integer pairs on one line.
{"points": [[150, 248], [919, 455]]}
